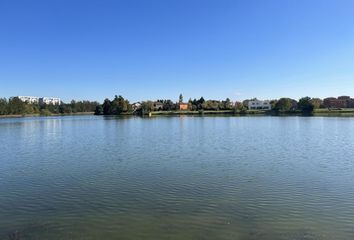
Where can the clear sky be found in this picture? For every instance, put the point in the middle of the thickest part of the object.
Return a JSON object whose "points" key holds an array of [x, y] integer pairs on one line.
{"points": [[153, 49]]}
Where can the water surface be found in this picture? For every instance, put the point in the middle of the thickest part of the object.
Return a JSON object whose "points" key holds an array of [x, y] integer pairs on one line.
{"points": [[246, 178]]}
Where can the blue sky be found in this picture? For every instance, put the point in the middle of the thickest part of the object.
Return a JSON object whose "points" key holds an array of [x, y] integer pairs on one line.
{"points": [[153, 49]]}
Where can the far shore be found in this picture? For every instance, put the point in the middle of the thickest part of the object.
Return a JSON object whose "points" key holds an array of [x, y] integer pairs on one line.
{"points": [[317, 112]]}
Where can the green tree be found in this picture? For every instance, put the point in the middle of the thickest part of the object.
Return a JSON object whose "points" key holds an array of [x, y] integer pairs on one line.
{"points": [[16, 106], [306, 106], [147, 107], [211, 105], [106, 107], [119, 105], [226, 105], [200, 103], [317, 102], [3, 106], [273, 103], [115, 107], [168, 105], [65, 109], [99, 110], [239, 108], [283, 104], [181, 98], [73, 106]]}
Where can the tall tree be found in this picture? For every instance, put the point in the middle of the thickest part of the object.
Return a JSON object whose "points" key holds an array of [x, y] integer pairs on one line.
{"points": [[16, 106], [147, 106], [3, 106], [106, 107], [306, 106], [181, 98], [227, 104]]}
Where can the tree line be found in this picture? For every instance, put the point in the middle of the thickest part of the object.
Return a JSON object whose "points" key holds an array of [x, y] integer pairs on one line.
{"points": [[15, 106], [287, 105], [120, 105], [117, 106]]}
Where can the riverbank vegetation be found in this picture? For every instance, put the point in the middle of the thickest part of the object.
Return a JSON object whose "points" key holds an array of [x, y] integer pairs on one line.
{"points": [[306, 106], [14, 106], [121, 106], [117, 106]]}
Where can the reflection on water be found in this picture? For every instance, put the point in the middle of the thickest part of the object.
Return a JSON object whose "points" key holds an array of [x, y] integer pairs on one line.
{"points": [[177, 178]]}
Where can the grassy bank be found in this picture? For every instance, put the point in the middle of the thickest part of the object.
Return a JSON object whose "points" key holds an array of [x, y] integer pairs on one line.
{"points": [[209, 112], [317, 112], [339, 112]]}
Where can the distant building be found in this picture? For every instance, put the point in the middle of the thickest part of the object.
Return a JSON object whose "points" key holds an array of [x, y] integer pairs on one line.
{"points": [[50, 100], [29, 99], [344, 98], [158, 106], [40, 100], [331, 102], [340, 102], [136, 106], [351, 103], [183, 106], [259, 105]]}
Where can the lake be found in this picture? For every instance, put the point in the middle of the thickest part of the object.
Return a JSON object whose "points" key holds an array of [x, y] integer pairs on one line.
{"points": [[88, 177]]}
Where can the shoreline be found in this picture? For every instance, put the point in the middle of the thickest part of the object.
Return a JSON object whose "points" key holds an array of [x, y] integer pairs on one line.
{"points": [[317, 112], [50, 115]]}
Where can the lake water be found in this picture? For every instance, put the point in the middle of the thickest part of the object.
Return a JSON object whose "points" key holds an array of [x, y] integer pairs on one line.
{"points": [[246, 178]]}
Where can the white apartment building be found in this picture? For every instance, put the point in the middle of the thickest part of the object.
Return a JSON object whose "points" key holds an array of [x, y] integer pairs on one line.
{"points": [[136, 106], [259, 104], [29, 99], [40, 100], [50, 100]]}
